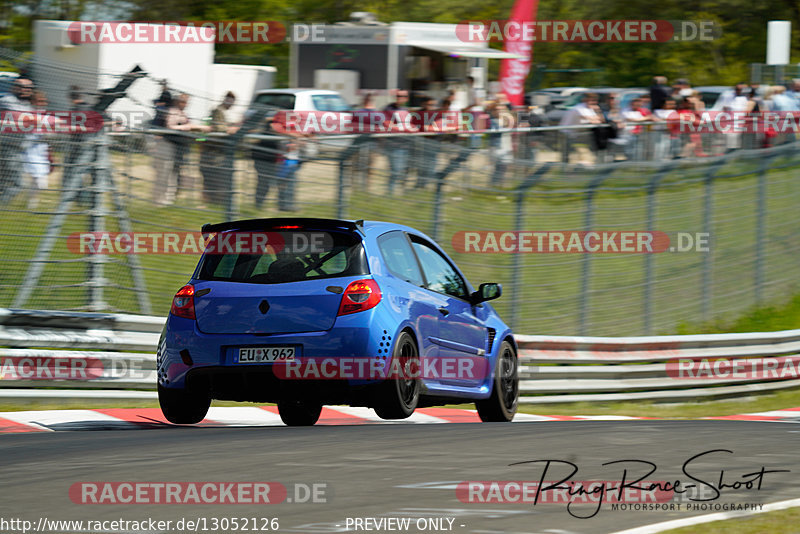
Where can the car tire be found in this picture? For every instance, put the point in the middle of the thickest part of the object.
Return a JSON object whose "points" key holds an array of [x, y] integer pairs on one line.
{"points": [[502, 403], [183, 407], [397, 398], [295, 412]]}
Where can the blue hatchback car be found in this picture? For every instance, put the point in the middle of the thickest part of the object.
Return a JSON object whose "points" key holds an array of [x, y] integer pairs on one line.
{"points": [[306, 312]]}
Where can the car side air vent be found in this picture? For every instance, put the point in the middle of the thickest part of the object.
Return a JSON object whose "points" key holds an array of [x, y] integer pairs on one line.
{"points": [[492, 333]]}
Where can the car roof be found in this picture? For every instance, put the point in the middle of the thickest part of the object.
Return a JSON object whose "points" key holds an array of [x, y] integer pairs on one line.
{"points": [[713, 88], [296, 91], [560, 90]]}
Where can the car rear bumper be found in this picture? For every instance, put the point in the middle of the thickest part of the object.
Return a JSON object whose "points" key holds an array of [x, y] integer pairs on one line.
{"points": [[186, 352]]}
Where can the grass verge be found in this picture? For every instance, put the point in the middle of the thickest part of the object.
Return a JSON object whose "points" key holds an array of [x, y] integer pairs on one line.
{"points": [[781, 522]]}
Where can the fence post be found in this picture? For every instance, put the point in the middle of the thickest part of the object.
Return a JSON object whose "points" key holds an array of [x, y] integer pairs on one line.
{"points": [[652, 189], [583, 321], [345, 160], [95, 266], [462, 155], [761, 217], [708, 221], [229, 168], [341, 195], [519, 226]]}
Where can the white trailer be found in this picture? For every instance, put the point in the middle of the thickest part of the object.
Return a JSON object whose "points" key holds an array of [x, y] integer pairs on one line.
{"points": [[187, 67]]}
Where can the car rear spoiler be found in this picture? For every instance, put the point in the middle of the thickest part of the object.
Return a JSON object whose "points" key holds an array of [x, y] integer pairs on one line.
{"points": [[267, 224]]}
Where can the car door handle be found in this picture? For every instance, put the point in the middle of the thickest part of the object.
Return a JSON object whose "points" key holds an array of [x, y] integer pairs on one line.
{"points": [[444, 311]]}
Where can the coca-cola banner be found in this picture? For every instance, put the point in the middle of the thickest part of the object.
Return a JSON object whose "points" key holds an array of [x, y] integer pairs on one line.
{"points": [[514, 71]]}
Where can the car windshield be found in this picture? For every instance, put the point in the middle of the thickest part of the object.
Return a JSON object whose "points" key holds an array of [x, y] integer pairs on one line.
{"points": [[573, 100], [330, 103], [278, 100], [281, 256]]}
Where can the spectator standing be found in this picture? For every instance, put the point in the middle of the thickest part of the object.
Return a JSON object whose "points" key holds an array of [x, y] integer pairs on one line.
{"points": [[781, 101], [530, 139], [37, 154], [637, 114], [397, 147], [692, 141], [659, 92], [14, 146], [684, 87], [287, 176], [603, 136], [794, 92], [739, 102], [583, 113], [426, 148], [767, 104], [169, 178], [266, 156], [162, 105], [667, 139], [366, 147], [500, 143], [217, 184]]}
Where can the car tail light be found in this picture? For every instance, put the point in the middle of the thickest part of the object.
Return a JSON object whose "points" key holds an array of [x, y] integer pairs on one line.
{"points": [[183, 302], [359, 296]]}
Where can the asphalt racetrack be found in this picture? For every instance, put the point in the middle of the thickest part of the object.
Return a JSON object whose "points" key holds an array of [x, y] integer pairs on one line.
{"points": [[397, 471]]}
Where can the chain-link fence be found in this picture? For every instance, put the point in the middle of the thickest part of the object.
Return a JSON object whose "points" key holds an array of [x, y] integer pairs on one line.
{"points": [[442, 185], [527, 180]]}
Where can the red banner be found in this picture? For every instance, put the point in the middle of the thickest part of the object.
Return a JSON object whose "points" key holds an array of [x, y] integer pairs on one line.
{"points": [[514, 71]]}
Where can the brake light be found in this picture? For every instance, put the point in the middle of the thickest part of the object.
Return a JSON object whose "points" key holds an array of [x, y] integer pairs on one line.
{"points": [[359, 296], [183, 302]]}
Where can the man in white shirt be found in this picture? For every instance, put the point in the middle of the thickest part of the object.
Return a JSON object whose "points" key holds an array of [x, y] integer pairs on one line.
{"points": [[583, 113], [14, 145]]}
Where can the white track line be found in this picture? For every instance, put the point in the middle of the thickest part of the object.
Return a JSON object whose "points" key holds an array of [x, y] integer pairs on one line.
{"points": [[529, 417], [606, 417], [243, 416], [708, 518], [46, 418], [368, 414], [778, 413]]}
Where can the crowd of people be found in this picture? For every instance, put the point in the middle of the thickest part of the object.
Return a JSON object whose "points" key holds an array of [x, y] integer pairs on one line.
{"points": [[412, 161], [672, 117]]}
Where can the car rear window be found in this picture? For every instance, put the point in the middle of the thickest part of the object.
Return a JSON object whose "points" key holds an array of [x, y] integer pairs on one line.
{"points": [[330, 103], [298, 255], [278, 100]]}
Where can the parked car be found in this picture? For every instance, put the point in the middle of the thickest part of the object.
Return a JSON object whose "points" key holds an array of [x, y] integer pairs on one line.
{"points": [[370, 291], [302, 100], [551, 96], [305, 100], [712, 95], [624, 97]]}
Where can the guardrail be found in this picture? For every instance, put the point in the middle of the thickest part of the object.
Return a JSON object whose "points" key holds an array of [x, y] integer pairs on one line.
{"points": [[60, 354], [106, 355], [586, 369]]}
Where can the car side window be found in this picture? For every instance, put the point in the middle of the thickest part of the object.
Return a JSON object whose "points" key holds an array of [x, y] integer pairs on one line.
{"points": [[441, 276], [399, 258]]}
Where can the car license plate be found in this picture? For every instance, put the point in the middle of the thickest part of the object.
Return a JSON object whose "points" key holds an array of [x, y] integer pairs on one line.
{"points": [[266, 354]]}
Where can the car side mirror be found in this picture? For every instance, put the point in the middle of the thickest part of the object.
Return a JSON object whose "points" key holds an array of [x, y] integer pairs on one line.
{"points": [[488, 291]]}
